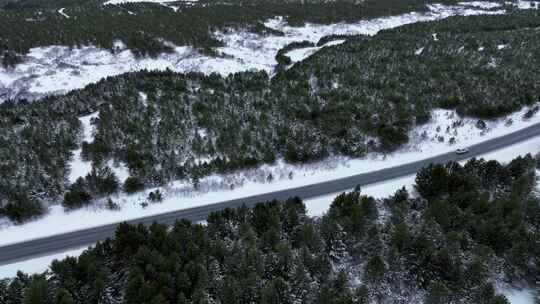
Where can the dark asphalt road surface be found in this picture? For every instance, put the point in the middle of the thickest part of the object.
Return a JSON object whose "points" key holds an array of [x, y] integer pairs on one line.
{"points": [[78, 239]]}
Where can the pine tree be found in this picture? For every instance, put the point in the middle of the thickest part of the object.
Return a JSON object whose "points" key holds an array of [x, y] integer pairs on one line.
{"points": [[375, 269], [438, 293], [334, 237], [37, 292], [231, 291], [16, 289], [4, 284], [301, 285], [63, 297]]}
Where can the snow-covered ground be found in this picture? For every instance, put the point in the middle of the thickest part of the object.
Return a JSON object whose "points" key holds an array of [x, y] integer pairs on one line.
{"points": [[428, 140], [80, 168], [519, 296], [303, 53], [319, 205], [57, 69], [481, 4], [528, 4], [37, 265], [61, 12]]}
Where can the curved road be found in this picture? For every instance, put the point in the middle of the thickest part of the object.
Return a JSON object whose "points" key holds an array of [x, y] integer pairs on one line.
{"points": [[77, 239]]}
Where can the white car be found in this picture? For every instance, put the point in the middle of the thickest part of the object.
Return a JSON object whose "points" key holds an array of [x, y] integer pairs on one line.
{"points": [[462, 151]]}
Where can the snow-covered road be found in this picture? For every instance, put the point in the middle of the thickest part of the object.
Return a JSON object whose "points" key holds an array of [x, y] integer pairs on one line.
{"points": [[431, 139], [319, 205]]}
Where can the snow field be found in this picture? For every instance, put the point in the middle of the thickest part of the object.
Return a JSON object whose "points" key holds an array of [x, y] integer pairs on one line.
{"points": [[58, 69]]}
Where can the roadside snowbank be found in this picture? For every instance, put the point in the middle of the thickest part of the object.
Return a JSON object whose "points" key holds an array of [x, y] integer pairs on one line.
{"points": [[37, 265], [319, 205]]}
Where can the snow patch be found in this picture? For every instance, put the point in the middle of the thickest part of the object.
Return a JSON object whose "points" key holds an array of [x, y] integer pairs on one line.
{"points": [[492, 63], [319, 205], [79, 167], [521, 4], [482, 4], [61, 12], [36, 265], [298, 55], [120, 170], [119, 45], [144, 98], [519, 296]]}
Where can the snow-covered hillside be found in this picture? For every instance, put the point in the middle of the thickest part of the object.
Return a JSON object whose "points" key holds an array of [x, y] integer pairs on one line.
{"points": [[57, 69]]}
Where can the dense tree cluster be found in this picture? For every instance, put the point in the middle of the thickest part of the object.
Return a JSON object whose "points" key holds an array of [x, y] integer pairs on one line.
{"points": [[41, 4], [468, 225], [362, 96], [35, 145], [100, 182]]}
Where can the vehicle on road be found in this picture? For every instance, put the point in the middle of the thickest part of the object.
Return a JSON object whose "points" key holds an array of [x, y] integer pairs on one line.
{"points": [[462, 151]]}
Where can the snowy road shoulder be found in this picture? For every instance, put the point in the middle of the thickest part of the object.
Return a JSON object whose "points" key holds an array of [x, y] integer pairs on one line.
{"points": [[37, 265], [319, 205]]}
